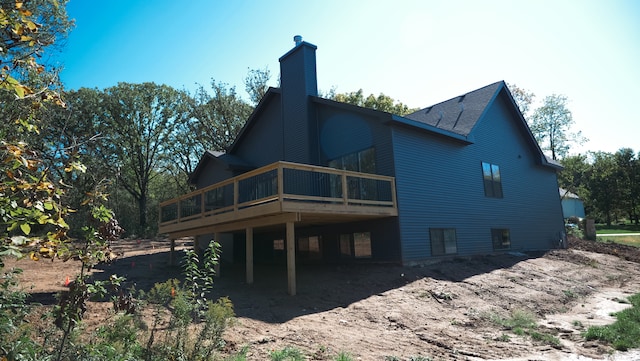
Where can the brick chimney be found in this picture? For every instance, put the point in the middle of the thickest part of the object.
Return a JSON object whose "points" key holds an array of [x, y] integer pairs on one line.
{"points": [[298, 81]]}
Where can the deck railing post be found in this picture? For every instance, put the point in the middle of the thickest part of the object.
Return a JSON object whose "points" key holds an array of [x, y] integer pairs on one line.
{"points": [[393, 192], [280, 182], [179, 212], [345, 189], [236, 195]]}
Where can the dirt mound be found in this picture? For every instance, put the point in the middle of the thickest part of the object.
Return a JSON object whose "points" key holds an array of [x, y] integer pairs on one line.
{"points": [[447, 311], [625, 252]]}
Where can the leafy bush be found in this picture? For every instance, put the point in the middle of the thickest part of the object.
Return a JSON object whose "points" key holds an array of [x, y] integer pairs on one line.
{"points": [[16, 341]]}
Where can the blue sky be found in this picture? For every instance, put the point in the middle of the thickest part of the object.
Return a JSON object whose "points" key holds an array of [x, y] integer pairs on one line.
{"points": [[418, 52]]}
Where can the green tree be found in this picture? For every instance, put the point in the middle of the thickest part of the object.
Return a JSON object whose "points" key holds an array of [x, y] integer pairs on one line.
{"points": [[604, 186], [256, 84], [382, 102], [220, 116], [523, 98], [629, 177], [552, 123], [574, 176], [139, 122]]}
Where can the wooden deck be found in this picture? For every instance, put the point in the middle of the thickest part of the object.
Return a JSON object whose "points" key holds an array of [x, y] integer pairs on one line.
{"points": [[281, 194], [276, 194]]}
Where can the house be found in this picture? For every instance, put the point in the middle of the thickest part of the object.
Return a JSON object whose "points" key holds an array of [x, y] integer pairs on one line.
{"points": [[572, 205], [313, 180]]}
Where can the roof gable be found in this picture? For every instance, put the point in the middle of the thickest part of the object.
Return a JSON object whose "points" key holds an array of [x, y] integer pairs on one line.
{"points": [[264, 102], [460, 114]]}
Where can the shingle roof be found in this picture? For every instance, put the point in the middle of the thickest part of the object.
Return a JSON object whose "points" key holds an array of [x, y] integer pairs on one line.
{"points": [[460, 114]]}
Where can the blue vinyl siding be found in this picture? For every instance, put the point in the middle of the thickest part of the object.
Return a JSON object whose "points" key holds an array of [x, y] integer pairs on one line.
{"points": [[343, 132], [214, 172], [440, 185], [298, 82], [263, 144]]}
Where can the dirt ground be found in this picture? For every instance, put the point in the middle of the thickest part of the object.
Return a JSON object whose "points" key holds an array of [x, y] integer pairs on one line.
{"points": [[440, 311]]}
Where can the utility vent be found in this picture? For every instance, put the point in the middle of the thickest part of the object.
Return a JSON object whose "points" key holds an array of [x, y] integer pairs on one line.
{"points": [[297, 39]]}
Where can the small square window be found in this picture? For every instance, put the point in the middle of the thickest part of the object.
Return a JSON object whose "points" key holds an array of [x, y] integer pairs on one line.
{"points": [[501, 238]]}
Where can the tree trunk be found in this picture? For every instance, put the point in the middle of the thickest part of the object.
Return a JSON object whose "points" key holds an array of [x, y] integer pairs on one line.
{"points": [[142, 205]]}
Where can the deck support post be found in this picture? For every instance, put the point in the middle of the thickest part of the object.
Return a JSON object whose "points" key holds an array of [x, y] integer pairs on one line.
{"points": [[291, 258], [216, 238], [172, 252], [249, 241]]}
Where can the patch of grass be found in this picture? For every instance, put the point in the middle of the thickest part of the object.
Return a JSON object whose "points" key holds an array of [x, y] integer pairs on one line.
{"points": [[503, 338], [569, 294], [240, 356], [420, 358], [286, 354], [624, 240], [625, 332], [522, 323], [577, 324], [625, 228], [344, 356], [545, 338]]}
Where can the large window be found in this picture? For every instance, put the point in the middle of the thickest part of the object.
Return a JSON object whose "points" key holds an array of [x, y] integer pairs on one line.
{"points": [[356, 245], [443, 241], [492, 180], [501, 238], [363, 161]]}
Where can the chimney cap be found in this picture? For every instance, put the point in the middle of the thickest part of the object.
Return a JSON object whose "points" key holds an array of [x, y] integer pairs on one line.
{"points": [[297, 39]]}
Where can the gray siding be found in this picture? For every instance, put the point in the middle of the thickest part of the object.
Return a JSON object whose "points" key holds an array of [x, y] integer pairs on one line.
{"points": [[440, 185]]}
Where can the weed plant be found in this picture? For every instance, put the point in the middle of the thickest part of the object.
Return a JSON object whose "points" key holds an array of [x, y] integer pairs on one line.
{"points": [[286, 354]]}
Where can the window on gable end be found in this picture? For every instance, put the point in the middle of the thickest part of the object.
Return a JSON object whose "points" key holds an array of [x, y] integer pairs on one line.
{"points": [[492, 180]]}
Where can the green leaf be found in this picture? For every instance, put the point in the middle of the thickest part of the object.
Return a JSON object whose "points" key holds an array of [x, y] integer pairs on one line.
{"points": [[19, 240], [26, 228]]}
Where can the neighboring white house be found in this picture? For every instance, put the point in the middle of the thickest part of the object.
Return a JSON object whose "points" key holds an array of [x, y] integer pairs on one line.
{"points": [[572, 205]]}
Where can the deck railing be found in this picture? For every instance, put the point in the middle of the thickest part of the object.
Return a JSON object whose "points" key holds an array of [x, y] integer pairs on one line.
{"points": [[282, 182]]}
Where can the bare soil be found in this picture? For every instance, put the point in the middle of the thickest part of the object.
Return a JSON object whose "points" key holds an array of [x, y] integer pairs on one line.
{"points": [[372, 311]]}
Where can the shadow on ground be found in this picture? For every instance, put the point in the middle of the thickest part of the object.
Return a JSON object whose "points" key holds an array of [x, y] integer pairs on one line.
{"points": [[320, 287]]}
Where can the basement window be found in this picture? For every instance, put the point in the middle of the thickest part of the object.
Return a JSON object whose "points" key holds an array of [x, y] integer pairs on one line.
{"points": [[443, 241], [345, 245], [309, 247], [362, 245], [357, 245], [501, 238]]}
